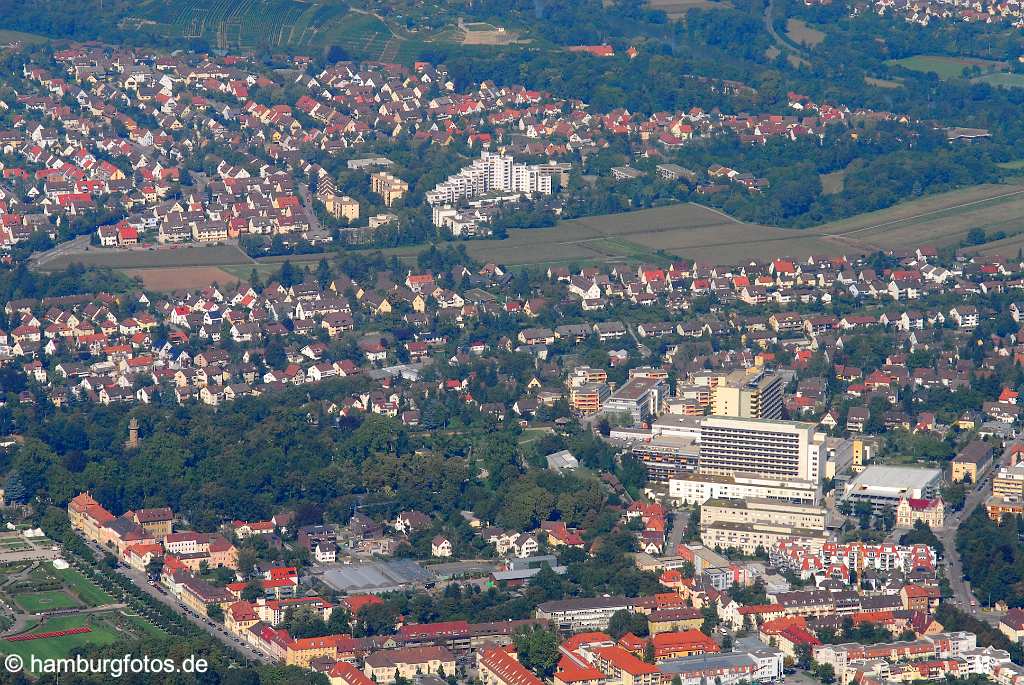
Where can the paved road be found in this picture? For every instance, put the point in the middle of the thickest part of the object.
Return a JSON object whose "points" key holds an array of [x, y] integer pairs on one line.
{"points": [[215, 629], [781, 42], [316, 229], [962, 594], [680, 521], [641, 348], [75, 246]]}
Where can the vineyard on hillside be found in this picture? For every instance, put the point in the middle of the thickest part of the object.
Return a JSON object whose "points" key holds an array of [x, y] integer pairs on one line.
{"points": [[272, 24]]}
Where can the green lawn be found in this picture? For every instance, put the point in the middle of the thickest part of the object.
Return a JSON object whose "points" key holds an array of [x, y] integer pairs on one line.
{"points": [[833, 182], [945, 67], [47, 600], [86, 590], [8, 36], [44, 573], [58, 647], [142, 626], [882, 83], [531, 434], [1001, 79], [1015, 165]]}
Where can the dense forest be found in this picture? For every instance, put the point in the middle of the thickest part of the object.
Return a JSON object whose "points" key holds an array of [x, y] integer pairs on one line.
{"points": [[287, 451], [993, 557]]}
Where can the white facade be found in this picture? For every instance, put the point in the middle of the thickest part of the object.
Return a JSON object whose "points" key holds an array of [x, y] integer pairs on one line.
{"points": [[697, 488], [493, 172], [786, 449], [884, 485]]}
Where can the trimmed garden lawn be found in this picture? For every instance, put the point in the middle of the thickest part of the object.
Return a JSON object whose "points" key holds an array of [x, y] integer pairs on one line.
{"points": [[58, 647], [46, 600], [86, 590], [140, 625]]}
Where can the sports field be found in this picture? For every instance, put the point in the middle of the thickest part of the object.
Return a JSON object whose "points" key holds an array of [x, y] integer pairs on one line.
{"points": [[47, 600]]}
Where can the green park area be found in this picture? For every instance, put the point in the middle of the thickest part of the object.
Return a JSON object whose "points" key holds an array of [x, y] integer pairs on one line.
{"points": [[45, 588], [45, 600], [102, 631]]}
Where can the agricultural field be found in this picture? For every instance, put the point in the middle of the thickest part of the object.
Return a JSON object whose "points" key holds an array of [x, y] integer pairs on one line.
{"points": [[1004, 79], [946, 67], [675, 9], [883, 83], [686, 230], [482, 33], [800, 33], [179, 256], [1010, 247], [176, 278], [833, 183], [940, 220], [104, 630], [701, 233], [361, 34], [8, 36]]}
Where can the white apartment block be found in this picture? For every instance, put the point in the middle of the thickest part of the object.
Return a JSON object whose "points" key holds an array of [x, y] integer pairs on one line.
{"points": [[789, 449], [699, 487], [493, 172]]}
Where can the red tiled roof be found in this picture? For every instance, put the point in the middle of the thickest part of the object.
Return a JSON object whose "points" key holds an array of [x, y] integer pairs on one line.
{"points": [[506, 668]]}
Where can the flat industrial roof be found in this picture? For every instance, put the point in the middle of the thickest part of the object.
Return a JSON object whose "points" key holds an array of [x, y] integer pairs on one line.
{"points": [[780, 423], [882, 476], [371, 576]]}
